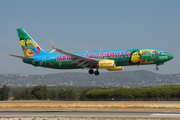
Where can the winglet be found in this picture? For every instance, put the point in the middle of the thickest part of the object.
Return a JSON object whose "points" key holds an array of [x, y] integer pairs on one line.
{"points": [[52, 44]]}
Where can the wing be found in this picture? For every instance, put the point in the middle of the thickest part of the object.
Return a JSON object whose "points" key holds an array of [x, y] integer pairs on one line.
{"points": [[76, 58]]}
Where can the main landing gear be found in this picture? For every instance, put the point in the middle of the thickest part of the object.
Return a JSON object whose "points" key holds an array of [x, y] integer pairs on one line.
{"points": [[91, 71], [156, 68]]}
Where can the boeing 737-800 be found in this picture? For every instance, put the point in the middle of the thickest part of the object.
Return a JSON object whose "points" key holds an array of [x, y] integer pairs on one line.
{"points": [[111, 60]]}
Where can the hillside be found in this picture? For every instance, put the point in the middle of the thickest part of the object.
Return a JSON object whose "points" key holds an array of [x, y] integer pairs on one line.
{"points": [[112, 79]]}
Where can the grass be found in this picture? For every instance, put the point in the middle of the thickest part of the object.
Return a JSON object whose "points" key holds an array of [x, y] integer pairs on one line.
{"points": [[88, 105]]}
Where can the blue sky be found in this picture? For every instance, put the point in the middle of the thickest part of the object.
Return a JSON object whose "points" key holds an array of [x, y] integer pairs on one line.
{"points": [[90, 25]]}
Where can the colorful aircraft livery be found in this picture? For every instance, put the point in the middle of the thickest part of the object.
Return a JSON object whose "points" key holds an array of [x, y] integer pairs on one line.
{"points": [[112, 60]]}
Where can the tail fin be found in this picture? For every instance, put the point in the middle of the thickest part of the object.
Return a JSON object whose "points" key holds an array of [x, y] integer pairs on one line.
{"points": [[29, 46]]}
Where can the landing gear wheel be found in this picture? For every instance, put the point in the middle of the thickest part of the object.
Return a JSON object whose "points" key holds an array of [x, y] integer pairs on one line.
{"points": [[96, 72], [156, 68], [91, 71]]}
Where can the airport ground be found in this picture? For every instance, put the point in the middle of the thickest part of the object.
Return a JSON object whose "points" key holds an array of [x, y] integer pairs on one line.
{"points": [[89, 110], [166, 106], [86, 115], [83, 118]]}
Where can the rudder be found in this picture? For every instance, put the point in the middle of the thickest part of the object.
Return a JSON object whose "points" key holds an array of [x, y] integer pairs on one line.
{"points": [[29, 46]]}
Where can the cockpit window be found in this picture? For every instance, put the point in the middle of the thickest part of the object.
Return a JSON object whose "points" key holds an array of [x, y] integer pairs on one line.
{"points": [[162, 52]]}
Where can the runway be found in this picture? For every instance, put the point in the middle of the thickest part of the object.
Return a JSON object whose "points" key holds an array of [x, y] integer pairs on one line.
{"points": [[91, 114]]}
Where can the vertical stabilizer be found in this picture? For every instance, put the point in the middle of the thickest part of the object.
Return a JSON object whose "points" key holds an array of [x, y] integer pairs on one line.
{"points": [[29, 46]]}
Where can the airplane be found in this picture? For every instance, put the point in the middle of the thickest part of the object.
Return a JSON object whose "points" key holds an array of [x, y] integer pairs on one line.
{"points": [[111, 60]]}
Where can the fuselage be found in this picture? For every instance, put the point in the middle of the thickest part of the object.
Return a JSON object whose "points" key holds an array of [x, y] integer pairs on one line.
{"points": [[111, 60], [121, 57]]}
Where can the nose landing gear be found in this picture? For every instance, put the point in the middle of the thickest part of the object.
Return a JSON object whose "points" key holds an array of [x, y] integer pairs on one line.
{"points": [[156, 68]]}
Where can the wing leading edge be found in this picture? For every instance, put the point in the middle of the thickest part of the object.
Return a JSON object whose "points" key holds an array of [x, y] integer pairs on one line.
{"points": [[76, 58]]}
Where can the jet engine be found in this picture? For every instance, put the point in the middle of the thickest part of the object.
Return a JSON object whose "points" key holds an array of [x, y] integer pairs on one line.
{"points": [[116, 68], [106, 64]]}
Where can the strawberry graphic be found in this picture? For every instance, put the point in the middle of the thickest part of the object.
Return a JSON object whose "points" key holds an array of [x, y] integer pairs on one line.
{"points": [[76, 63], [68, 66]]}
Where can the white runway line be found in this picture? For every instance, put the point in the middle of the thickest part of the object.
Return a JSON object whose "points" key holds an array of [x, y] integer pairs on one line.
{"points": [[166, 115]]}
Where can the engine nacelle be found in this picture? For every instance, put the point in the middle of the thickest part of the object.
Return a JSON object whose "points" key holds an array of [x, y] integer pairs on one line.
{"points": [[116, 68], [106, 64]]}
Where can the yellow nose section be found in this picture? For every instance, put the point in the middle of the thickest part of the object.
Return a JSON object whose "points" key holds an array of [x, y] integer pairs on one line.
{"points": [[135, 57]]}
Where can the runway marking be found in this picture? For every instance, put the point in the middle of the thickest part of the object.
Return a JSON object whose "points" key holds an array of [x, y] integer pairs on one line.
{"points": [[165, 115]]}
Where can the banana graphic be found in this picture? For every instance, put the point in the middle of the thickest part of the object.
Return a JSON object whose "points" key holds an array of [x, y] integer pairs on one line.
{"points": [[135, 57]]}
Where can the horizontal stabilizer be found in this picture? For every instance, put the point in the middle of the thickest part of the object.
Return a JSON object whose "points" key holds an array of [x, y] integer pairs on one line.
{"points": [[21, 57]]}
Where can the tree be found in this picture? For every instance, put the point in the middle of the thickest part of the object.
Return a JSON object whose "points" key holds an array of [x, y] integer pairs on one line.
{"points": [[52, 95], [27, 94], [61, 95], [70, 95], [4, 93], [37, 92], [45, 93], [83, 95]]}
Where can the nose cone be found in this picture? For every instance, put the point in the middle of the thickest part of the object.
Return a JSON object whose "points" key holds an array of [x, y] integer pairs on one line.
{"points": [[170, 56]]}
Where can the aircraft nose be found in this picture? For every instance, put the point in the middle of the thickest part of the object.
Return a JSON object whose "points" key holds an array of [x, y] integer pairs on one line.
{"points": [[170, 56]]}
